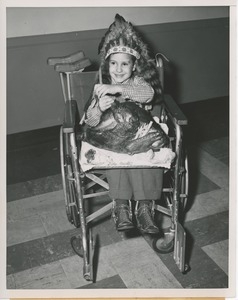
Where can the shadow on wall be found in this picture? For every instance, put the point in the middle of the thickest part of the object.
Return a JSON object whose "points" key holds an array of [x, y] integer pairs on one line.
{"points": [[171, 71], [172, 83]]}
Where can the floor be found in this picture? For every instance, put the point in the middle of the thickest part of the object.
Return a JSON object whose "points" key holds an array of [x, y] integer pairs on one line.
{"points": [[39, 254]]}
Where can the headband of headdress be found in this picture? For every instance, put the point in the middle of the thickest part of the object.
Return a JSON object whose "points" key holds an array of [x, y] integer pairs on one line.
{"points": [[121, 37], [122, 49]]}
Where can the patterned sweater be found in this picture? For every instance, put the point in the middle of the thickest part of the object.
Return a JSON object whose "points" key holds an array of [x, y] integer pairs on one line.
{"points": [[134, 89]]}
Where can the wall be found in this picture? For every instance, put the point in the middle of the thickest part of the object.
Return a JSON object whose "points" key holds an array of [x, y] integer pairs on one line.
{"points": [[198, 52], [26, 21]]}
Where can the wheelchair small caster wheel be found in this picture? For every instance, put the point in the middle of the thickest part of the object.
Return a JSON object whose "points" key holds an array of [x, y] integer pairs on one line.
{"points": [[164, 244], [76, 243]]}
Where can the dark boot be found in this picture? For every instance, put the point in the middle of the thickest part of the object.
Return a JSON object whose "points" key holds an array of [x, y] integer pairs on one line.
{"points": [[144, 217], [122, 215]]}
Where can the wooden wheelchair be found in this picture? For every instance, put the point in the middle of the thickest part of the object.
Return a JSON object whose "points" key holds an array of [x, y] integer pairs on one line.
{"points": [[78, 184]]}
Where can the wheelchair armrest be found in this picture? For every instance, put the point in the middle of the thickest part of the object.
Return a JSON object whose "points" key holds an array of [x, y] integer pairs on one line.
{"points": [[174, 110], [70, 116]]}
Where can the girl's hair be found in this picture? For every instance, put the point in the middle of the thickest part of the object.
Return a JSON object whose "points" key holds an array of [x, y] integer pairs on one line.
{"points": [[147, 69], [144, 68]]}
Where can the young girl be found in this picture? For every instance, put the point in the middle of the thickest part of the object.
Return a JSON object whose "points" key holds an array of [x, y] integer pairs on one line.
{"points": [[128, 75]]}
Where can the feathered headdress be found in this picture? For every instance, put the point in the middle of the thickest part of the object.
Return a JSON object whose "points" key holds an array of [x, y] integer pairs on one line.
{"points": [[122, 37]]}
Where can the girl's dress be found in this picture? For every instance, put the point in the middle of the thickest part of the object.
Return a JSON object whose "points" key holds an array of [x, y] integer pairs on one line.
{"points": [[137, 184]]}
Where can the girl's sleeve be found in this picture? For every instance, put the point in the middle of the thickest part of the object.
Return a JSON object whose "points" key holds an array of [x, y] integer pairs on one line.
{"points": [[139, 91], [93, 114]]}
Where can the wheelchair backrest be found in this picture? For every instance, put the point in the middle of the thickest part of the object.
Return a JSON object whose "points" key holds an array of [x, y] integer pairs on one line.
{"points": [[82, 84], [82, 87]]}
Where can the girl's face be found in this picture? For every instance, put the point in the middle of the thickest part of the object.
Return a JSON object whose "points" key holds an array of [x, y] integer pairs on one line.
{"points": [[121, 66]]}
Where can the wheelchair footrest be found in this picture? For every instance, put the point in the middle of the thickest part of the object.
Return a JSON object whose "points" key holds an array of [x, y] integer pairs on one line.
{"points": [[179, 247]]}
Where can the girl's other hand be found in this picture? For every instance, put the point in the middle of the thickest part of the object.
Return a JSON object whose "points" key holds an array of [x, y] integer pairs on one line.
{"points": [[105, 102], [102, 89]]}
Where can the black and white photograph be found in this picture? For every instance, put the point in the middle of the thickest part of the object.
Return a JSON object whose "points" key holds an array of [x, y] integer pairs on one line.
{"points": [[120, 149]]}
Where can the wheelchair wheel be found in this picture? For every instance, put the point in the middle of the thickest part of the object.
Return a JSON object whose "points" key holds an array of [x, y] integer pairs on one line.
{"points": [[169, 182], [76, 244], [184, 183], [71, 201], [165, 244]]}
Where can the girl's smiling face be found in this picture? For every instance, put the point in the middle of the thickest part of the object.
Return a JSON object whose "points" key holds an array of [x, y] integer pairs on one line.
{"points": [[121, 66]]}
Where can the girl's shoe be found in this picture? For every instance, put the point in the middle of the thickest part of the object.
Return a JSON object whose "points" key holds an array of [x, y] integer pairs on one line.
{"points": [[145, 220], [123, 217]]}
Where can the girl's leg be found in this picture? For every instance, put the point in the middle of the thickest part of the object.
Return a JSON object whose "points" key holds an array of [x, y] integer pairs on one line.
{"points": [[146, 183], [120, 191], [119, 184], [147, 186]]}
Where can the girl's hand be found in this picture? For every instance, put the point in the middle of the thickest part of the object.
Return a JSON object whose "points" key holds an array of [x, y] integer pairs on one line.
{"points": [[103, 89], [105, 102]]}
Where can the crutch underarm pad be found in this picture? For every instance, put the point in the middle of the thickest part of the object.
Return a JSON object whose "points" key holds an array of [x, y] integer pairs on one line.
{"points": [[70, 115], [73, 67], [66, 59], [174, 110]]}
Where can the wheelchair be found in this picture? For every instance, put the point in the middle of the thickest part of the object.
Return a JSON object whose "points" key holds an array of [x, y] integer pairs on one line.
{"points": [[80, 186]]}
